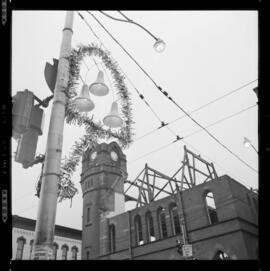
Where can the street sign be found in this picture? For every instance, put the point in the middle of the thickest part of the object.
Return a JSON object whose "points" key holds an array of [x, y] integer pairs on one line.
{"points": [[187, 250]]}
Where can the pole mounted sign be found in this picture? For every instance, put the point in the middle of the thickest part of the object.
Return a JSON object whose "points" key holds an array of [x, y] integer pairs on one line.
{"points": [[187, 250]]}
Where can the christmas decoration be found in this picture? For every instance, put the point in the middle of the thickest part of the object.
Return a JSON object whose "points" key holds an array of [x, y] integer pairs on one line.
{"points": [[94, 131]]}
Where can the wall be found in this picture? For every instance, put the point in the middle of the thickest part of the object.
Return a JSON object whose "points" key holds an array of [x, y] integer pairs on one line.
{"points": [[235, 233]]}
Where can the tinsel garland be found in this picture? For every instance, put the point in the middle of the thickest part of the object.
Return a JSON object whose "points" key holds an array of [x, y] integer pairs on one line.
{"points": [[94, 130]]}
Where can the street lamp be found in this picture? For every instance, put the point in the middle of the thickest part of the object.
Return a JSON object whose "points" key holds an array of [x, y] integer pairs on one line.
{"points": [[247, 143], [159, 44]]}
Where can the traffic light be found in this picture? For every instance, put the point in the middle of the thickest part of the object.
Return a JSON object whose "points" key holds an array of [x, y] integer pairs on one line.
{"points": [[23, 103], [27, 143]]}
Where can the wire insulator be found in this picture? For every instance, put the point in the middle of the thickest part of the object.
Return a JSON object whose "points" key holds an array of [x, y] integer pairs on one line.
{"points": [[141, 96]]}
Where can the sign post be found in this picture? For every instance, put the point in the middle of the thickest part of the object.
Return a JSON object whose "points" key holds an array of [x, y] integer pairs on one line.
{"points": [[187, 250]]}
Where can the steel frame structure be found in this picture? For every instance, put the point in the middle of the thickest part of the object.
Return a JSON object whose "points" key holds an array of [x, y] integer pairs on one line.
{"points": [[152, 184]]}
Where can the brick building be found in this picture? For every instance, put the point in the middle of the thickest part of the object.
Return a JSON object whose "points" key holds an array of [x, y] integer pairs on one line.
{"points": [[67, 241], [219, 218]]}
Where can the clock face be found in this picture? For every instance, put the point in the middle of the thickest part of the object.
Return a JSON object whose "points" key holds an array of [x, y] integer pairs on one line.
{"points": [[93, 155], [114, 156]]}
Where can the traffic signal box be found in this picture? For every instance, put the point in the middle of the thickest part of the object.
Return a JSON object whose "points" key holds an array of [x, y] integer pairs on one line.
{"points": [[27, 121], [21, 111]]}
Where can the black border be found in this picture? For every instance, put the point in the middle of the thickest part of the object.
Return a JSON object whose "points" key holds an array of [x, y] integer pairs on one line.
{"points": [[263, 128]]}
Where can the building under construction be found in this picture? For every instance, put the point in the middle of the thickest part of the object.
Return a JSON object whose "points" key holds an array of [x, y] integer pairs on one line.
{"points": [[194, 214]]}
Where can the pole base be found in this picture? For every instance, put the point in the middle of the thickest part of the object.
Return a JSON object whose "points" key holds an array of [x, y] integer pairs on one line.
{"points": [[42, 252]]}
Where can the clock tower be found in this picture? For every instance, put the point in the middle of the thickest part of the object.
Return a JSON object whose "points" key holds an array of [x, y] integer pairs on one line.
{"points": [[102, 181]]}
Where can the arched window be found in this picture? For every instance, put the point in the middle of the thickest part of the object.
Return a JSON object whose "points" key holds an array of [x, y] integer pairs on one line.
{"points": [[55, 248], [175, 221], [31, 248], [74, 251], [211, 208], [221, 255], [138, 230], [162, 222], [20, 245], [64, 252], [112, 238], [150, 227]]}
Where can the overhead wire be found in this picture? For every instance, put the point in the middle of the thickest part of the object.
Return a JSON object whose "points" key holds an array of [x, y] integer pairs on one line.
{"points": [[200, 108], [177, 138], [132, 84], [210, 125], [198, 151], [171, 99]]}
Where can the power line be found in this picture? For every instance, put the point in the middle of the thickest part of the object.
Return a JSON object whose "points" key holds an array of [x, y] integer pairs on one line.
{"points": [[215, 100], [214, 137], [214, 162], [137, 91], [197, 131], [148, 104], [210, 125], [122, 47], [154, 151], [221, 120], [171, 99]]}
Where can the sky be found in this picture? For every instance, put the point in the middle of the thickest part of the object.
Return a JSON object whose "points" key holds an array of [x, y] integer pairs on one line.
{"points": [[208, 55]]}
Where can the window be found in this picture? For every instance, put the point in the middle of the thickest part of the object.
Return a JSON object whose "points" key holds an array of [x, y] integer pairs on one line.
{"points": [[150, 227], [87, 255], [175, 221], [112, 238], [64, 252], [221, 255], [88, 214], [31, 248], [211, 208], [74, 251], [55, 248], [20, 245], [162, 222], [138, 230]]}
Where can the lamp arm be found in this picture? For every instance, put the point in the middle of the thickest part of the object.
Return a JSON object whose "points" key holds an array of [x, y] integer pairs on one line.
{"points": [[254, 148], [129, 21], [104, 13]]}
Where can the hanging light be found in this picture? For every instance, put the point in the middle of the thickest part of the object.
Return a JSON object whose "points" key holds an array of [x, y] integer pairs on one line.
{"points": [[113, 120], [246, 142], [83, 101], [159, 45], [99, 88]]}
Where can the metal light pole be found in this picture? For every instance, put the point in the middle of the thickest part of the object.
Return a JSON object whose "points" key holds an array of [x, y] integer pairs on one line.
{"points": [[44, 231]]}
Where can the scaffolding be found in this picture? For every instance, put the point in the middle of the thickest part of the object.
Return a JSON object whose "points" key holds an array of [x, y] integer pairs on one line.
{"points": [[151, 185]]}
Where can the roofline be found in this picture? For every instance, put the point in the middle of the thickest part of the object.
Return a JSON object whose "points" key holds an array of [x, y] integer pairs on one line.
{"points": [[29, 224]]}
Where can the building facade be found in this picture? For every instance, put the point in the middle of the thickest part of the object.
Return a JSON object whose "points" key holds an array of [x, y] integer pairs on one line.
{"points": [[219, 218], [67, 241]]}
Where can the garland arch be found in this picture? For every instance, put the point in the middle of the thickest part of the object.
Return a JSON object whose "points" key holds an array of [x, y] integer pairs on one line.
{"points": [[93, 130]]}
